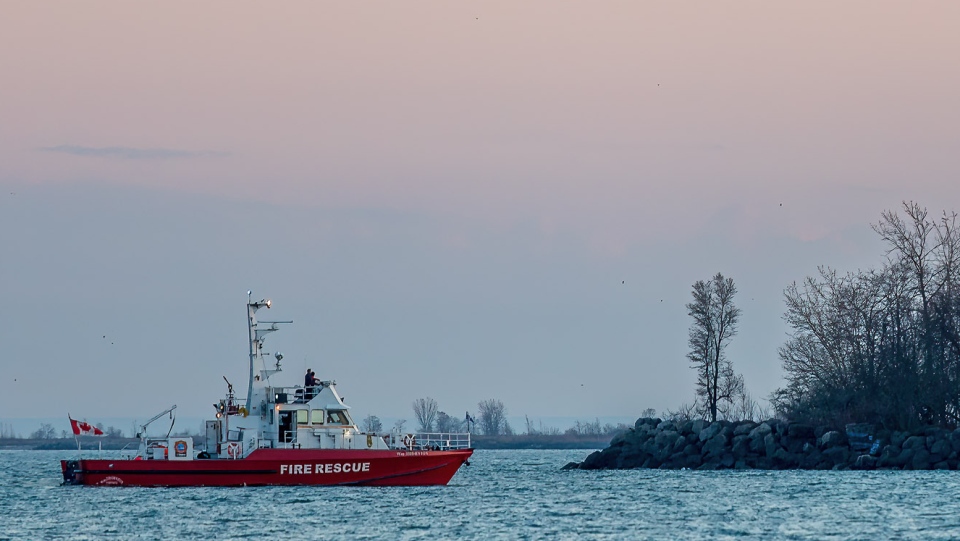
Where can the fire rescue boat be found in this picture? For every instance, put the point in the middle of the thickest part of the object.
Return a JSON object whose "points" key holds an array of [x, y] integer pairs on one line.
{"points": [[301, 435]]}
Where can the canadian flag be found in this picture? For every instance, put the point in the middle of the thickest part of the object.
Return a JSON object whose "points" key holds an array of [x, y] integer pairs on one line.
{"points": [[83, 428]]}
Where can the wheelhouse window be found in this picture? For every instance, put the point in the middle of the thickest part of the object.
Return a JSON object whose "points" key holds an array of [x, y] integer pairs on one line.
{"points": [[337, 418], [316, 417], [302, 417]]}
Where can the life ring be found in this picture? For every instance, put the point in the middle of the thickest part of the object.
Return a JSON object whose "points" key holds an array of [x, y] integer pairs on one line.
{"points": [[409, 441], [233, 449]]}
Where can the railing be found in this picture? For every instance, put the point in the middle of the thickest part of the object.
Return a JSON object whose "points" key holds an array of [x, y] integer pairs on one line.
{"points": [[432, 441]]}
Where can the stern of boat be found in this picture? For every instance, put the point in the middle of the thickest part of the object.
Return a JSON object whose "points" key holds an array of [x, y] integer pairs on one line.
{"points": [[71, 472]]}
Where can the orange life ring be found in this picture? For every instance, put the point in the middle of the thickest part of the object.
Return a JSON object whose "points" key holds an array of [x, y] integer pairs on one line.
{"points": [[409, 441], [233, 449]]}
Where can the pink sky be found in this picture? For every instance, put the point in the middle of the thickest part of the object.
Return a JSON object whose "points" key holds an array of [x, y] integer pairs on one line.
{"points": [[577, 113], [623, 123]]}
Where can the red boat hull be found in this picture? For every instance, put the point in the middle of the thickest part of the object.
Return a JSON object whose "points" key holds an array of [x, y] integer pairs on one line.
{"points": [[275, 467]]}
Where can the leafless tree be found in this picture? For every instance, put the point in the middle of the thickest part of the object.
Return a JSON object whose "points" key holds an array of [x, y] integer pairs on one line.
{"points": [[425, 409], [371, 424], [880, 346], [493, 418], [445, 423], [715, 317], [45, 432]]}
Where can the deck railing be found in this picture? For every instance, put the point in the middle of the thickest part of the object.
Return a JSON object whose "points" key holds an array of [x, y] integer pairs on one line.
{"points": [[431, 441]]}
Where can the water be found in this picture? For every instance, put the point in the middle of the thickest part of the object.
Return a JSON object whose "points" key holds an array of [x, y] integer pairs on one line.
{"points": [[501, 495]]}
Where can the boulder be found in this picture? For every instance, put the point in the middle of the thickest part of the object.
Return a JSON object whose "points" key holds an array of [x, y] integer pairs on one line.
{"points": [[666, 439], [955, 440], [727, 461], [801, 432], [571, 466], [836, 455], [710, 431], [832, 439], [715, 446], [915, 443], [941, 448], [760, 431], [651, 422], [897, 438], [741, 446], [744, 428], [784, 459], [921, 460], [865, 462], [770, 445], [698, 425], [904, 457], [667, 426]]}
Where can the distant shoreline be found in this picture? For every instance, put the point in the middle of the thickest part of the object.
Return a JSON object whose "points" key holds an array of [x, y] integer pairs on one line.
{"points": [[479, 442]]}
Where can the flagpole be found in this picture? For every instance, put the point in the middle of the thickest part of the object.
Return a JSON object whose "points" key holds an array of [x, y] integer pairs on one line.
{"points": [[75, 438]]}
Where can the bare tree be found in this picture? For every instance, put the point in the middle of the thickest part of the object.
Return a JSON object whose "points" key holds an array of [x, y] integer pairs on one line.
{"points": [[493, 418], [371, 424], [445, 423], [425, 409], [715, 318], [45, 432], [880, 346]]}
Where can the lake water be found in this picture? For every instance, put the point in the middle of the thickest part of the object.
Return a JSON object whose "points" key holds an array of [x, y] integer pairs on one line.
{"points": [[501, 495]]}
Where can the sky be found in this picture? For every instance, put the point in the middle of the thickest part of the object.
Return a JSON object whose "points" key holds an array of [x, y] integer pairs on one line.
{"points": [[460, 200]]}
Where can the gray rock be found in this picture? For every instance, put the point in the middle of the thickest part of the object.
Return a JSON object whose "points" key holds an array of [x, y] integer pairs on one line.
{"points": [[760, 431], [770, 445], [865, 462], [942, 465], [941, 447], [698, 425], [686, 428], [727, 461], [897, 438], [571, 466], [744, 428], [666, 439], [784, 459], [921, 460], [915, 443], [715, 446], [801, 431], [904, 458], [741, 446], [955, 440], [836, 455], [832, 439], [710, 431], [667, 426], [691, 450], [652, 422]]}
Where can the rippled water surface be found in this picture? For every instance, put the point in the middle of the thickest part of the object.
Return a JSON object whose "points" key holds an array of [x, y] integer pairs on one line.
{"points": [[501, 495]]}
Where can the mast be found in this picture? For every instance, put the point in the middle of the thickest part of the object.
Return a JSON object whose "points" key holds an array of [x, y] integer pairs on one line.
{"points": [[258, 371]]}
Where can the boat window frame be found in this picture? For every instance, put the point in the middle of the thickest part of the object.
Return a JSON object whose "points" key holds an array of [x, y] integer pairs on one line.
{"points": [[342, 420], [306, 417], [314, 414]]}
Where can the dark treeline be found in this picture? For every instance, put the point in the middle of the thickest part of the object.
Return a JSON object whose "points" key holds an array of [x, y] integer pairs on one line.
{"points": [[879, 346]]}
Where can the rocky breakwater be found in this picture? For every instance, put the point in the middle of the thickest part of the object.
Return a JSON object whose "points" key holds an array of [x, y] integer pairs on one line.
{"points": [[770, 445]]}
